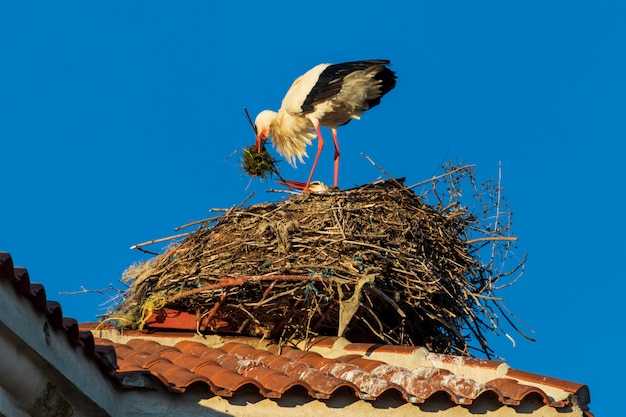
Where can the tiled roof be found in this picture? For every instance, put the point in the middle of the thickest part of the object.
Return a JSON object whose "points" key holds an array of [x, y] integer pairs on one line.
{"points": [[329, 366], [225, 365], [36, 293]]}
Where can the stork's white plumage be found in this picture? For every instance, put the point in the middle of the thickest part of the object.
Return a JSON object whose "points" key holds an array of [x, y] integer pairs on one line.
{"points": [[327, 95]]}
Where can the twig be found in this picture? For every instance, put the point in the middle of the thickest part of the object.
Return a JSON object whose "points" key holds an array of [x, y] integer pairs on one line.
{"points": [[491, 238], [233, 282], [380, 333], [382, 170], [149, 252], [369, 245], [84, 290], [245, 200], [206, 220], [436, 177], [339, 223], [250, 119], [271, 190], [233, 209], [163, 239], [511, 272], [272, 298], [389, 300]]}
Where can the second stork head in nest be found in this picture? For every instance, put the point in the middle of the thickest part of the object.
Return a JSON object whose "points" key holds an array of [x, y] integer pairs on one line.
{"points": [[327, 95]]}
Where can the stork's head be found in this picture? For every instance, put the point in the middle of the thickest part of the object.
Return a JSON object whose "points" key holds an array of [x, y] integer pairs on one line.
{"points": [[262, 127]]}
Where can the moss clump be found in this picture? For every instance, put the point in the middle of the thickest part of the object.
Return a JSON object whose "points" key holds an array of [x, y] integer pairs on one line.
{"points": [[258, 164]]}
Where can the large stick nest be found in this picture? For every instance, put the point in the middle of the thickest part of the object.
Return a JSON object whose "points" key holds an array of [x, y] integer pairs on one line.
{"points": [[375, 263]]}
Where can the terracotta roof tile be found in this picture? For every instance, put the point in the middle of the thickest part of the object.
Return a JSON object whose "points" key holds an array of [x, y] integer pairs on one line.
{"points": [[512, 392], [546, 380], [368, 348], [326, 341], [580, 390], [463, 361], [418, 388], [178, 377], [322, 383]]}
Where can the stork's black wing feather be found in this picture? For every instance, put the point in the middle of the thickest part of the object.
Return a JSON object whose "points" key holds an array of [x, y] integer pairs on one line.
{"points": [[331, 80]]}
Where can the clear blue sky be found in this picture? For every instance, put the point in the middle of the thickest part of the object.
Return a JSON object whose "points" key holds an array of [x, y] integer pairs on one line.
{"points": [[117, 120]]}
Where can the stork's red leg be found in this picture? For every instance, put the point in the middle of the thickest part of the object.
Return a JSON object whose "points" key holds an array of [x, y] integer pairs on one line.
{"points": [[320, 146], [337, 153]]}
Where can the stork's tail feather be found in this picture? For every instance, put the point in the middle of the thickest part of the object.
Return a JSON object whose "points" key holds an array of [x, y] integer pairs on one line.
{"points": [[388, 81]]}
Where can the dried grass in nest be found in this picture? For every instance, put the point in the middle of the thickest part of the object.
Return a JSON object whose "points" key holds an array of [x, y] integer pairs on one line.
{"points": [[374, 263]]}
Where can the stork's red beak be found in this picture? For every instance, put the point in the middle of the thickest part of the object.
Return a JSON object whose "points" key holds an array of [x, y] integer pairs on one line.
{"points": [[260, 142]]}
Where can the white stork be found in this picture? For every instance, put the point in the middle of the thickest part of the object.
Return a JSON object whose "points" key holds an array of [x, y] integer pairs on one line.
{"points": [[327, 95]]}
